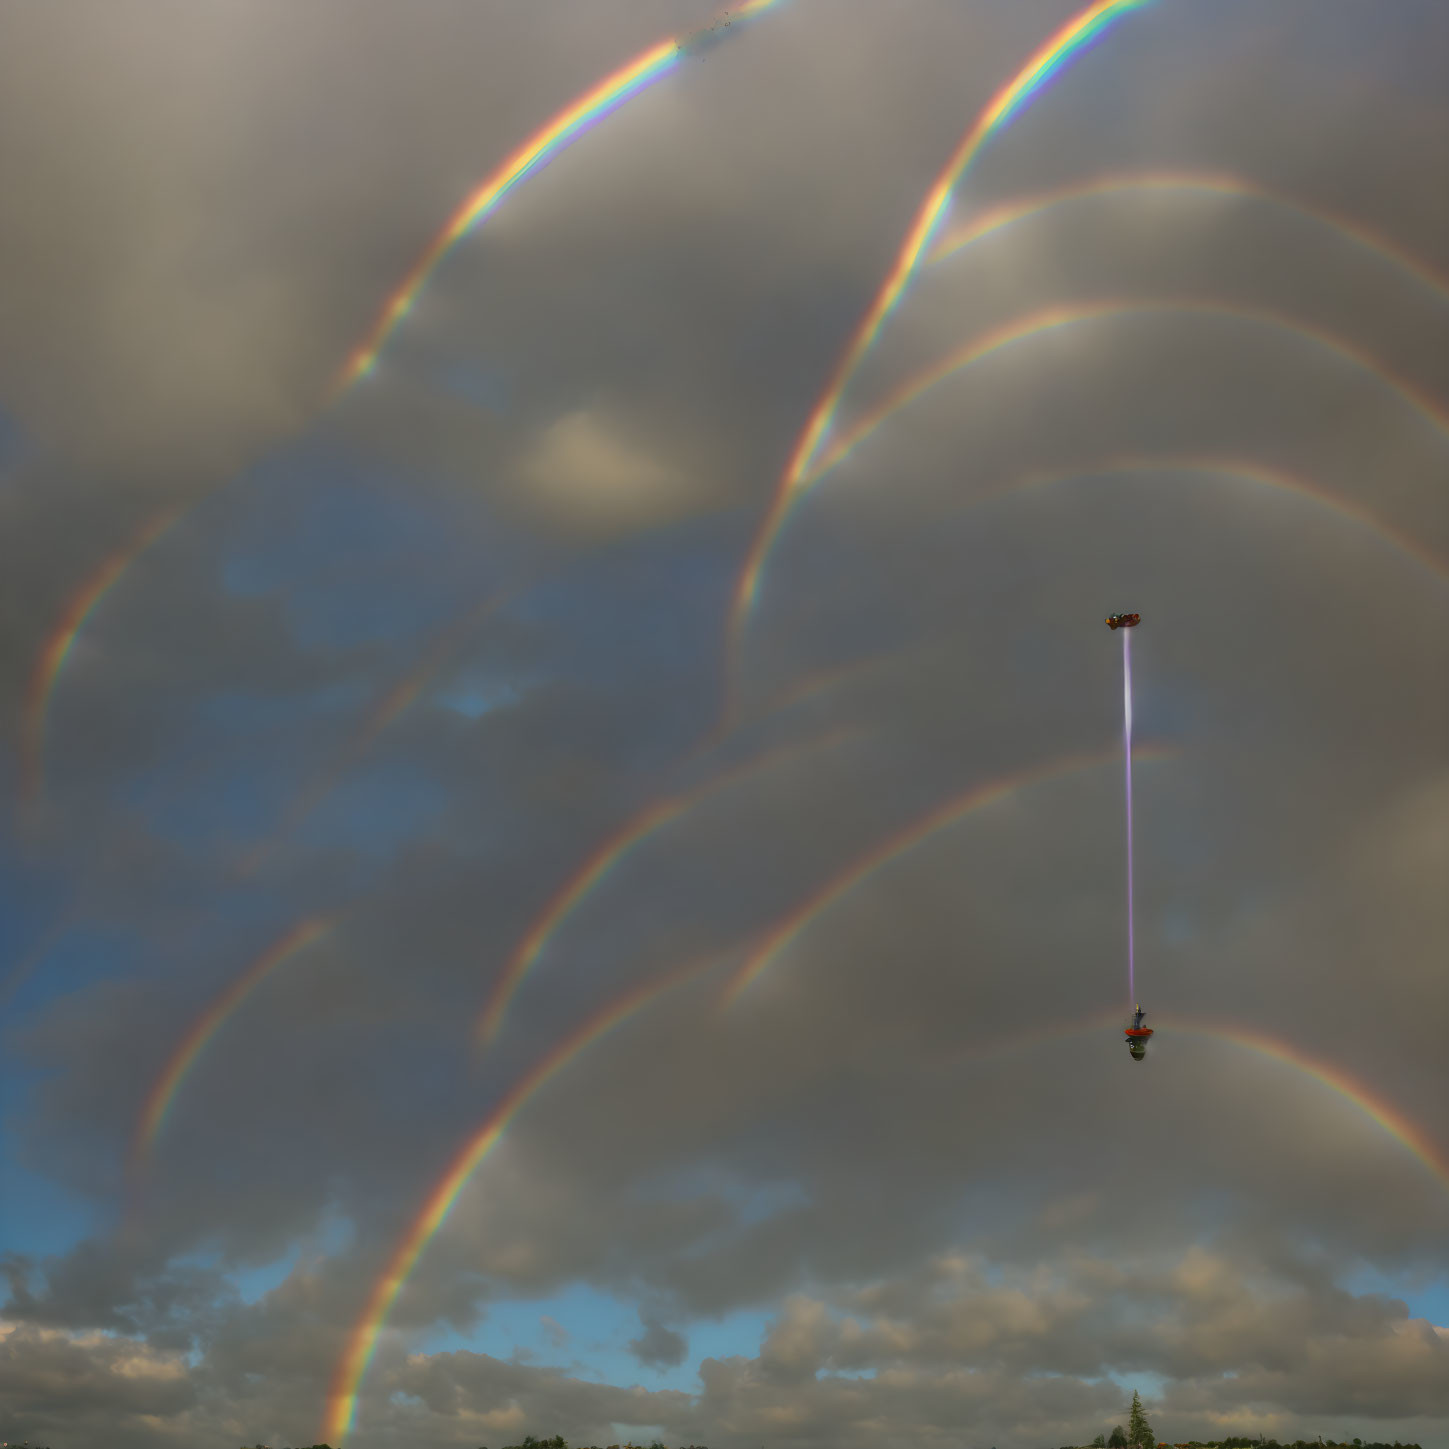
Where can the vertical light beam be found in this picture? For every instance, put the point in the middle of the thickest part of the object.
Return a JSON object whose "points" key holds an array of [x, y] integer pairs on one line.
{"points": [[1127, 758]]}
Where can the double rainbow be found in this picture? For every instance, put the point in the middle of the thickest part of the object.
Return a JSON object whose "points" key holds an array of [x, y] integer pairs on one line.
{"points": [[1052, 319], [610, 852], [1056, 318], [907, 838], [1009, 101]]}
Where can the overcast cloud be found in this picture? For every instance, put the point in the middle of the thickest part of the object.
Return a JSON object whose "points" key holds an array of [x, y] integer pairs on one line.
{"points": [[410, 656]]}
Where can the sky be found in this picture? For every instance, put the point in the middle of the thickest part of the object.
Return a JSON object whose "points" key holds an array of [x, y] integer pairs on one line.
{"points": [[531, 904]]}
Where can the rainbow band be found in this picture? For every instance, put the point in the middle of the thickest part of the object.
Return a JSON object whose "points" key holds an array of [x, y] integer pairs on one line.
{"points": [[58, 643], [206, 1026], [894, 846], [1250, 471], [1078, 32], [610, 853], [1208, 183], [397, 701], [535, 153], [20, 972], [1051, 319], [362, 1341], [1383, 1113]]}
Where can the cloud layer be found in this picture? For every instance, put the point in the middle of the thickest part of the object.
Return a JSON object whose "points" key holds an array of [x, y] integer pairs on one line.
{"points": [[455, 648]]}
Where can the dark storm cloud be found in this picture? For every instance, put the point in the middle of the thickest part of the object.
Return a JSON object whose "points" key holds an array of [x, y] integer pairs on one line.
{"points": [[912, 1142]]}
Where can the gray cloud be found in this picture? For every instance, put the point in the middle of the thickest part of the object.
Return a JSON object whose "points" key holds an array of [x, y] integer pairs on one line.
{"points": [[943, 1353], [659, 1346]]}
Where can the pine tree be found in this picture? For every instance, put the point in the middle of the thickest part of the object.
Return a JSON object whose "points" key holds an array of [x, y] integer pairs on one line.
{"points": [[1117, 1439], [1139, 1431]]}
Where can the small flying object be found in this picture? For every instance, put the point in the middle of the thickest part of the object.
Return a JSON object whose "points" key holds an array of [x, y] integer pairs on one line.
{"points": [[1137, 1035], [1123, 621]]}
